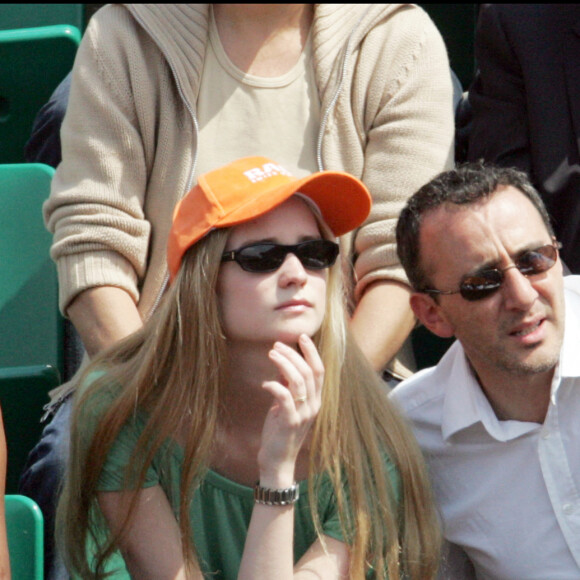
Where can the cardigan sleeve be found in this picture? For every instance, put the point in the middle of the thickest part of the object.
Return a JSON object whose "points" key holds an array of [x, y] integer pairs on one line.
{"points": [[95, 209], [408, 129]]}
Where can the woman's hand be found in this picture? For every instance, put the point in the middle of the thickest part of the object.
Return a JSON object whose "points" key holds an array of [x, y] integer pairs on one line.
{"points": [[297, 397], [269, 548]]}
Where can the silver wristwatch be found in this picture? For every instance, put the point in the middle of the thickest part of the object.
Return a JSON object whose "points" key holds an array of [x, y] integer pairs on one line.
{"points": [[268, 496]]}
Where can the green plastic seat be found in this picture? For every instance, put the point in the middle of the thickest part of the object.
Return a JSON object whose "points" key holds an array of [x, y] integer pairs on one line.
{"points": [[25, 527], [31, 326], [23, 392], [29, 15], [34, 61]]}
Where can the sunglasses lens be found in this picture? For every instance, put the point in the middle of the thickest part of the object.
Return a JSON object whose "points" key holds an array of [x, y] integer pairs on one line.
{"points": [[314, 255], [317, 254], [529, 263], [537, 261], [480, 286], [261, 257]]}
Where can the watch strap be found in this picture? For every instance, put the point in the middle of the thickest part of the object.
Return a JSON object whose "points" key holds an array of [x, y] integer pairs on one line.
{"points": [[268, 496]]}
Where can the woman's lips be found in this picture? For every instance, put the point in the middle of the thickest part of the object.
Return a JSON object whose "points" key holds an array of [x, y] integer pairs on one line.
{"points": [[295, 305]]}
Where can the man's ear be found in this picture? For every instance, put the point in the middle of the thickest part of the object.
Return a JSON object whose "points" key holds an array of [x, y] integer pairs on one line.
{"points": [[430, 314]]}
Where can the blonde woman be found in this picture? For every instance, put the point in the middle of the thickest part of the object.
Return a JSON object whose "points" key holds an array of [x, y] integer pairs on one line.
{"points": [[241, 434]]}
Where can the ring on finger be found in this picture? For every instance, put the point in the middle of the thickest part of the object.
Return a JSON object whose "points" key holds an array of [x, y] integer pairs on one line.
{"points": [[300, 399]]}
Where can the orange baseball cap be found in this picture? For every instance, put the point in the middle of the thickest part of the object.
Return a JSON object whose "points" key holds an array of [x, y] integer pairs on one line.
{"points": [[250, 187]]}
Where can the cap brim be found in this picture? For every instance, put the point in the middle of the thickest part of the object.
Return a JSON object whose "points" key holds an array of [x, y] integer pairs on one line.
{"points": [[344, 202]]}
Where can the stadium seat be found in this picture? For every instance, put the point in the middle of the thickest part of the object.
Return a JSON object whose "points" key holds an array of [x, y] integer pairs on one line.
{"points": [[24, 526], [30, 324], [31, 15], [23, 392], [34, 61]]}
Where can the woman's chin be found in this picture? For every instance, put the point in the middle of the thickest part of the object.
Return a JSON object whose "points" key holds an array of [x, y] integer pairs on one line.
{"points": [[290, 337]]}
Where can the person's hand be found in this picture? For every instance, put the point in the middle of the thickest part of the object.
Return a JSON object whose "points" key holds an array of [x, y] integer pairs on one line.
{"points": [[297, 397]]}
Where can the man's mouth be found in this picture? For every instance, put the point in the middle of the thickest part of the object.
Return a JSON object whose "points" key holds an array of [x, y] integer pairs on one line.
{"points": [[527, 329]]}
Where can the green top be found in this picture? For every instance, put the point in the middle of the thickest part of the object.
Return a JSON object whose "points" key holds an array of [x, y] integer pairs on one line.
{"points": [[221, 509]]}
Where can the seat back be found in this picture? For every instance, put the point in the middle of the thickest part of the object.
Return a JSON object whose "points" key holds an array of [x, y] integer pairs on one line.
{"points": [[25, 528], [34, 61], [23, 392], [29, 15], [31, 328]]}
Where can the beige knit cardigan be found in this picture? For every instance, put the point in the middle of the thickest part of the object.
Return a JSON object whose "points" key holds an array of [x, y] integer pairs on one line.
{"points": [[130, 133]]}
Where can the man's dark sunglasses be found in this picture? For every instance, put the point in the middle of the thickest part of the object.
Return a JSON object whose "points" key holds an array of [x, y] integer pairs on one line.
{"points": [[486, 282], [268, 257]]}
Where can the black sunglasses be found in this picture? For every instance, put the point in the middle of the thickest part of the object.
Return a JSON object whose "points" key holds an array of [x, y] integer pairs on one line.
{"points": [[268, 257], [485, 283]]}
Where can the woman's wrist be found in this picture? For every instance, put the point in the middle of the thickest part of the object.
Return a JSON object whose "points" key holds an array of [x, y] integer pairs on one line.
{"points": [[280, 478], [276, 497]]}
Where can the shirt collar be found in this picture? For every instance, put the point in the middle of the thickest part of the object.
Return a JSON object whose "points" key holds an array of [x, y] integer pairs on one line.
{"points": [[465, 404], [461, 402], [570, 355], [569, 362]]}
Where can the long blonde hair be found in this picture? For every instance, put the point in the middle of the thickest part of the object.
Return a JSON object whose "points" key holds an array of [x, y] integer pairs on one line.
{"points": [[173, 369]]}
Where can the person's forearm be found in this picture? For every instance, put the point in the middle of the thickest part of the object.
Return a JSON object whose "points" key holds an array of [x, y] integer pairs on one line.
{"points": [[151, 546], [269, 547], [382, 321], [103, 316], [297, 396]]}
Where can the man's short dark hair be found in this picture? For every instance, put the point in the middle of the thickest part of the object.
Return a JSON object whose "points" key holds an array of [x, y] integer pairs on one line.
{"points": [[467, 183]]}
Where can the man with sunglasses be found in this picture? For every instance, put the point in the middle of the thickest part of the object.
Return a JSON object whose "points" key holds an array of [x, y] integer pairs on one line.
{"points": [[498, 417]]}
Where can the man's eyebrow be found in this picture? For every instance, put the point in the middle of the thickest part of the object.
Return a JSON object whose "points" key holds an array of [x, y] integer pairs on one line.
{"points": [[495, 264], [531, 247]]}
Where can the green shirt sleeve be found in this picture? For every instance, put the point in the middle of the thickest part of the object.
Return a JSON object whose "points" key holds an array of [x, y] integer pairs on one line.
{"points": [[123, 450], [112, 477]]}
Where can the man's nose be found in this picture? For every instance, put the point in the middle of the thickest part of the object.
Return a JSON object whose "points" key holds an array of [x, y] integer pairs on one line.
{"points": [[518, 290]]}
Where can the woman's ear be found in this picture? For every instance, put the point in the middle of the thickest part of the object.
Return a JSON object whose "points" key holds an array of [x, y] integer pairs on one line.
{"points": [[429, 313]]}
